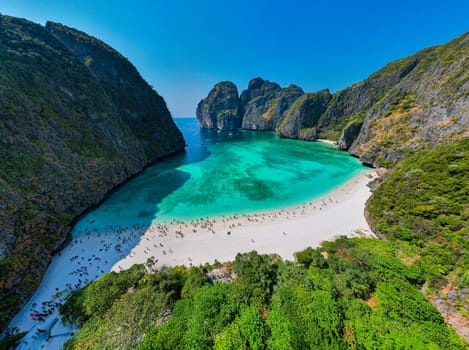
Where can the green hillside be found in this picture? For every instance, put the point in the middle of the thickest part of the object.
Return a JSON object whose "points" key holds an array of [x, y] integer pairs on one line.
{"points": [[67, 138]]}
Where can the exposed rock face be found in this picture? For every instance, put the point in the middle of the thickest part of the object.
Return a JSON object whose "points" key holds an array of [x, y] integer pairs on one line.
{"points": [[265, 111], [286, 99], [259, 107], [76, 120], [349, 134], [258, 104], [301, 119], [141, 108], [220, 109], [427, 104], [418, 101]]}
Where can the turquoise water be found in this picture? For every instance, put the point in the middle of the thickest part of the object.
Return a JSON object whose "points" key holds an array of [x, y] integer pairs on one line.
{"points": [[225, 173]]}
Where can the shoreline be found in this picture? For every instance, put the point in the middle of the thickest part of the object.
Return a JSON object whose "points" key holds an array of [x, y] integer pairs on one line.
{"points": [[259, 212], [329, 142], [283, 231], [68, 237]]}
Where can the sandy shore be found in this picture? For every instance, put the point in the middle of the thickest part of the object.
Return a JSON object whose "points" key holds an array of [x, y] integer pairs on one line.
{"points": [[340, 212], [83, 260], [330, 142]]}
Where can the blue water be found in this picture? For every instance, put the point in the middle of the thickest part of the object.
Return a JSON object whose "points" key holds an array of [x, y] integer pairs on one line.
{"points": [[223, 173]]}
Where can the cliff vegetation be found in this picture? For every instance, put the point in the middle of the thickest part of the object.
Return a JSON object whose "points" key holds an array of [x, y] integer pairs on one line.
{"points": [[76, 120], [418, 101]]}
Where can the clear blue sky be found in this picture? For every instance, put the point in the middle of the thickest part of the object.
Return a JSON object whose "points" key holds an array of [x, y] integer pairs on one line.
{"points": [[183, 48]]}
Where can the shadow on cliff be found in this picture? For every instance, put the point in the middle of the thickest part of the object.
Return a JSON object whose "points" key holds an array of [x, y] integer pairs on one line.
{"points": [[137, 201]]}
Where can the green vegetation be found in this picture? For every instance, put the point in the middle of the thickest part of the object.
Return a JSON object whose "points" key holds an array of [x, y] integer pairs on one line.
{"points": [[348, 294], [70, 132], [9, 342], [402, 101], [425, 201], [409, 103], [344, 123], [301, 119], [60, 120]]}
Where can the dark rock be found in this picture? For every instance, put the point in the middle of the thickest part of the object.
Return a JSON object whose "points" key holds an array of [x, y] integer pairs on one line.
{"points": [[141, 108], [286, 99], [76, 121], [3, 250], [220, 109], [258, 104], [349, 134], [255, 89], [414, 102], [301, 119]]}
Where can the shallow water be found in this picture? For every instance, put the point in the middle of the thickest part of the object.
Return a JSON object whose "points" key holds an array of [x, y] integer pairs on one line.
{"points": [[220, 174], [224, 173]]}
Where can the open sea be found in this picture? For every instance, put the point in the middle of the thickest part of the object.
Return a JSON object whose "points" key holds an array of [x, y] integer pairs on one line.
{"points": [[225, 173]]}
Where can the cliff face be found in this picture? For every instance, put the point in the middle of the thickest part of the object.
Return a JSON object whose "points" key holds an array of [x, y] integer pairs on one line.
{"points": [[286, 99], [301, 119], [257, 104], [264, 103], [259, 107], [418, 101], [76, 120], [140, 107], [428, 104], [220, 109], [349, 134]]}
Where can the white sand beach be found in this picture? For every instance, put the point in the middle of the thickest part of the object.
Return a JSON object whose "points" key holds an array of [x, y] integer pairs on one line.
{"points": [[340, 212], [330, 142]]}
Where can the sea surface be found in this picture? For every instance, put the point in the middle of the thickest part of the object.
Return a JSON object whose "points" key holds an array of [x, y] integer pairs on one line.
{"points": [[225, 173]]}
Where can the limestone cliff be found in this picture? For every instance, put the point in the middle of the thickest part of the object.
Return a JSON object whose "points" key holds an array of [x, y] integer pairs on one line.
{"points": [[220, 109], [264, 103], [427, 104], [286, 99], [257, 104], [301, 119], [76, 120], [259, 107], [349, 134], [140, 107], [414, 102]]}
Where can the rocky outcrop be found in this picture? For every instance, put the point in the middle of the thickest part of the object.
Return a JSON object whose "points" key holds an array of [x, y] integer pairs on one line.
{"points": [[76, 120], [301, 119], [220, 109], [349, 134], [427, 104], [140, 107], [286, 99], [415, 102], [445, 301], [264, 111], [259, 107], [264, 103], [258, 104]]}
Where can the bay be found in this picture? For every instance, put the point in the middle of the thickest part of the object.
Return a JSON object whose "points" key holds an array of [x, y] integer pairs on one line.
{"points": [[225, 173]]}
